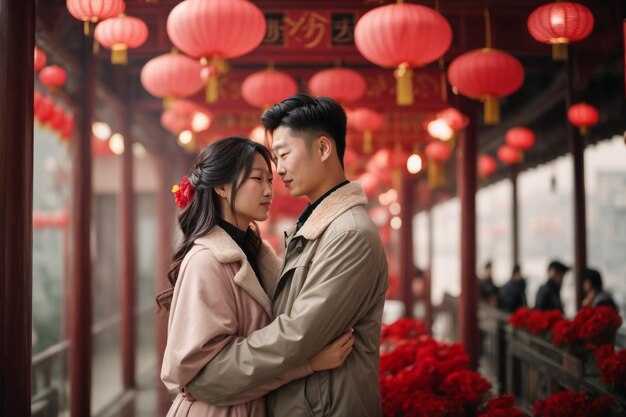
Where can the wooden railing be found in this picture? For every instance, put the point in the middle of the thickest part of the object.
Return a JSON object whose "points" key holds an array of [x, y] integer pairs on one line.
{"points": [[50, 376]]}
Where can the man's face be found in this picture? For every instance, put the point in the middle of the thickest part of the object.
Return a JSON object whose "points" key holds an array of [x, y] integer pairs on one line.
{"points": [[557, 277], [299, 166]]}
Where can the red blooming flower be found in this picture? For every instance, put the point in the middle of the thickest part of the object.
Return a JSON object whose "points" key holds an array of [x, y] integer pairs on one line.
{"points": [[613, 368], [538, 321], [502, 406], [183, 192], [571, 404], [465, 387], [404, 328], [597, 325], [563, 333], [518, 318]]}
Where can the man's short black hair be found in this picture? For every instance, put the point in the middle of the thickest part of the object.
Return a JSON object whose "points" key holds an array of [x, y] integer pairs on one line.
{"points": [[558, 266], [594, 278], [312, 116]]}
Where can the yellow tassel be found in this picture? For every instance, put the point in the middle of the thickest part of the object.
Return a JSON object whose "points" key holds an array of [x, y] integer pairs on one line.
{"points": [[396, 178], [95, 47], [119, 54], [492, 111], [167, 102], [436, 177], [404, 85], [367, 141], [212, 89], [88, 28], [559, 52], [584, 130], [221, 65]]}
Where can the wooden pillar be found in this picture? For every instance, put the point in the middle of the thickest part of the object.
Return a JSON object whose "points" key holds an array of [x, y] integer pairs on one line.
{"points": [[515, 215], [81, 302], [577, 147], [17, 42], [127, 266], [165, 217], [428, 298], [468, 305], [407, 266]]}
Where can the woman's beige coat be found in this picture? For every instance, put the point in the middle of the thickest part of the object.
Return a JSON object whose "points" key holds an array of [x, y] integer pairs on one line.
{"points": [[218, 297]]}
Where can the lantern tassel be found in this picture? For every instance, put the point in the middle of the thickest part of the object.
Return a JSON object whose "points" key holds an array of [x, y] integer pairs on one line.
{"points": [[367, 141], [492, 111], [88, 28], [404, 85], [584, 130], [167, 102], [119, 54], [221, 65], [212, 89], [559, 52], [436, 177]]}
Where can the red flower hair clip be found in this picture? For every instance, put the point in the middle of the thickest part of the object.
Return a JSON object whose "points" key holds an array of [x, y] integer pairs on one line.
{"points": [[183, 192]]}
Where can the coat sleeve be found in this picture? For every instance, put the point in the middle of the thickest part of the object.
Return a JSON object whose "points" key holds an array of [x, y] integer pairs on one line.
{"points": [[344, 273], [541, 301], [203, 319]]}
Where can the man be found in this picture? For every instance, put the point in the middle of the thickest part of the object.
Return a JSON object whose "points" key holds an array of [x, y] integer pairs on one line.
{"points": [[513, 293], [488, 291], [549, 294], [334, 278]]}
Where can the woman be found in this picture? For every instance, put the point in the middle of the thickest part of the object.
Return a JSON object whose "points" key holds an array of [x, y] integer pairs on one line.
{"points": [[223, 275]]}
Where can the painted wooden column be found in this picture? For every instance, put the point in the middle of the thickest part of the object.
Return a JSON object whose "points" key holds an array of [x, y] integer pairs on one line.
{"points": [[81, 296], [466, 181], [514, 215], [577, 147], [407, 267], [17, 42], [428, 298], [127, 256]]}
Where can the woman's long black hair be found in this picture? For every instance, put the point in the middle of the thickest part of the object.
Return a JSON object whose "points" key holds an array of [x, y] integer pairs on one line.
{"points": [[226, 161]]}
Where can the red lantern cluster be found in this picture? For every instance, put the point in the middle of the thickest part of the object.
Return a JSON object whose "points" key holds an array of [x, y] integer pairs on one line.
{"points": [[39, 59], [49, 114], [387, 37], [583, 116], [366, 121], [486, 74], [186, 115], [520, 138], [486, 166], [560, 23], [94, 11], [266, 88], [342, 84], [120, 33], [438, 151], [53, 77]]}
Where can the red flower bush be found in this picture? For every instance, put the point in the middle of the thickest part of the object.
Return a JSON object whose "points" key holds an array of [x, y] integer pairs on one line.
{"points": [[183, 192], [612, 365], [597, 325], [571, 404], [563, 333], [534, 321], [403, 329], [465, 387], [502, 406]]}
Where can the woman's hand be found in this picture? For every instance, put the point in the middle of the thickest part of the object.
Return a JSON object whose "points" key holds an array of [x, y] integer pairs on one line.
{"points": [[333, 355]]}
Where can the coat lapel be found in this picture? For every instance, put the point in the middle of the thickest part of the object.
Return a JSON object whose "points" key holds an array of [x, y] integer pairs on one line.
{"points": [[227, 251]]}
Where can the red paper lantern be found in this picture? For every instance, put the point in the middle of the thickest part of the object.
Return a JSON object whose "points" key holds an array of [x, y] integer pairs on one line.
{"points": [[560, 23], [509, 155], [486, 165], [454, 118], [176, 122], [68, 129], [100, 147], [46, 110], [94, 11], [57, 121], [520, 137], [387, 36], [583, 116], [216, 30], [370, 184], [266, 88], [36, 102], [438, 151], [486, 74], [342, 84], [53, 76], [366, 121], [40, 59], [172, 76], [120, 33]]}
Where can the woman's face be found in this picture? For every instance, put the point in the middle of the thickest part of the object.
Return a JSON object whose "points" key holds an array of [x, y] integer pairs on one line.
{"points": [[254, 196]]}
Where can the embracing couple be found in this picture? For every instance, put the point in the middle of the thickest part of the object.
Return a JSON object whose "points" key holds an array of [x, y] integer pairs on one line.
{"points": [[250, 334]]}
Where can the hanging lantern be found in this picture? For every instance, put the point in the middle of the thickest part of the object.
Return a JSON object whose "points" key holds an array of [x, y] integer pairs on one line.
{"points": [[53, 77], [57, 121], [68, 129], [46, 110], [265, 88], [520, 138], [36, 102], [172, 76], [509, 155], [583, 116], [366, 121], [486, 74], [342, 84], [453, 118], [437, 153], [439, 129], [176, 122], [120, 33], [486, 166], [94, 11], [216, 31], [387, 36], [560, 23], [40, 59]]}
